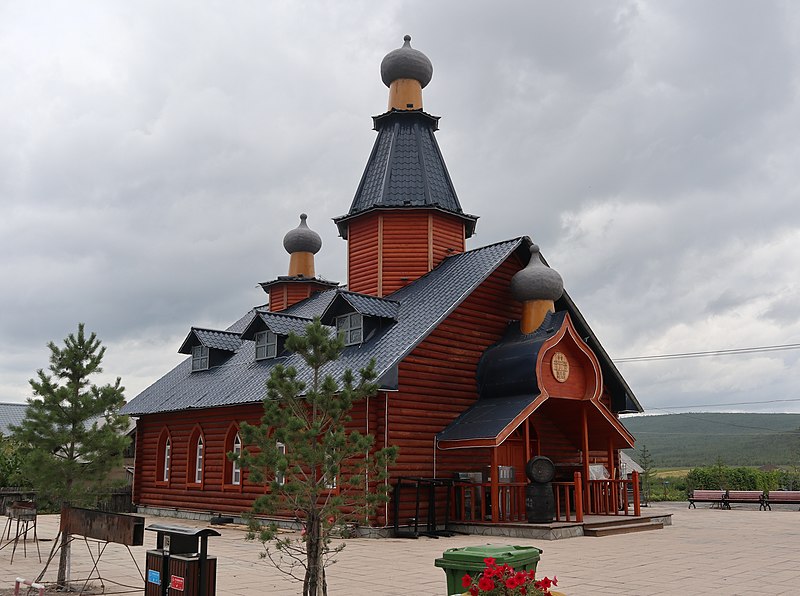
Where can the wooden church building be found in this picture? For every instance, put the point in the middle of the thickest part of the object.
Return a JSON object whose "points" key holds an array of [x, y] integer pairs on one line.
{"points": [[484, 361]]}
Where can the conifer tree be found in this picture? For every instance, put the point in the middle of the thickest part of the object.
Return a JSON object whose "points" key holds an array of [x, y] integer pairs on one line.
{"points": [[73, 434], [327, 475], [646, 461]]}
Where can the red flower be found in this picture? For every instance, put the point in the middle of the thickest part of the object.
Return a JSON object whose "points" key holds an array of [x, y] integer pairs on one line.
{"points": [[486, 584], [466, 581], [511, 583], [474, 590], [489, 561]]}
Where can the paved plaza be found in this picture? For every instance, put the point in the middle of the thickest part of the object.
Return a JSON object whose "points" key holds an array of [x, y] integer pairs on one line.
{"points": [[705, 551]]}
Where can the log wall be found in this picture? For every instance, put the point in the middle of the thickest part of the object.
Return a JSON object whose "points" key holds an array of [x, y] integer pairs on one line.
{"points": [[437, 382], [408, 244]]}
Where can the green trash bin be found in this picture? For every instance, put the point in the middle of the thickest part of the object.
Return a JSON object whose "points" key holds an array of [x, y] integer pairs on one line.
{"points": [[457, 561]]}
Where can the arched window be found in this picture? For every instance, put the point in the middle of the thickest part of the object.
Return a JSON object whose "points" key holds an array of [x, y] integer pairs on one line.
{"points": [[164, 457], [167, 459], [198, 461], [236, 470], [195, 460], [232, 478]]}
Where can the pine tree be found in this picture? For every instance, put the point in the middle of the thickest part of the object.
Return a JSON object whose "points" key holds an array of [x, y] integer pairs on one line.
{"points": [[313, 464], [72, 435], [646, 461]]}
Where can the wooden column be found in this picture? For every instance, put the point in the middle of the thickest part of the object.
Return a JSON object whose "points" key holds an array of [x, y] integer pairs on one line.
{"points": [[585, 447], [527, 439], [495, 488], [611, 463]]}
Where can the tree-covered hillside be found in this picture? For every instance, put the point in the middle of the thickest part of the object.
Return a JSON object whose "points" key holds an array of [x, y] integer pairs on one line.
{"points": [[697, 439]]}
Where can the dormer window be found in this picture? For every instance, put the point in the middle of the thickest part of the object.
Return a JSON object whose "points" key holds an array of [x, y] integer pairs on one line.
{"points": [[352, 326], [266, 345], [199, 358]]}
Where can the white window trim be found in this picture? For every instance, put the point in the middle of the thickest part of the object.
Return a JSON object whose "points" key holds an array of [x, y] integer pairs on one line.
{"points": [[352, 326], [200, 358], [198, 466], [280, 478], [236, 471], [167, 459], [268, 342]]}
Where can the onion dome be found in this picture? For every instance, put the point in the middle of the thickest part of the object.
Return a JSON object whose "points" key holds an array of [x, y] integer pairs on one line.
{"points": [[536, 281], [406, 63], [302, 238]]}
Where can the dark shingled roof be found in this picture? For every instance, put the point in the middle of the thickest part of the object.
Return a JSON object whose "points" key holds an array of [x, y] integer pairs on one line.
{"points": [[278, 323], [11, 414], [486, 418], [406, 170], [367, 305], [423, 304], [211, 338]]}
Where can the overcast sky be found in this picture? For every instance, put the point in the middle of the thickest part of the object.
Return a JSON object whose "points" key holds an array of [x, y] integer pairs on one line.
{"points": [[153, 154]]}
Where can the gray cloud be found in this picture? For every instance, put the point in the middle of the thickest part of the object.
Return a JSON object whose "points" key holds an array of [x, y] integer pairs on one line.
{"points": [[153, 155]]}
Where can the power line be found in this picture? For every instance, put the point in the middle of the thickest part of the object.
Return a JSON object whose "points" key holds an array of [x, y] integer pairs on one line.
{"points": [[708, 353], [733, 403]]}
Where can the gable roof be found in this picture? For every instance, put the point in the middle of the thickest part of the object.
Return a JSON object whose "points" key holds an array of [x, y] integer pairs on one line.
{"points": [[422, 305], [406, 170], [277, 322], [11, 414], [210, 338], [364, 304]]}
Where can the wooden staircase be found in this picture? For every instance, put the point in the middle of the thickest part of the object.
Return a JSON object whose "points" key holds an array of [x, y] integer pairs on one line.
{"points": [[620, 526]]}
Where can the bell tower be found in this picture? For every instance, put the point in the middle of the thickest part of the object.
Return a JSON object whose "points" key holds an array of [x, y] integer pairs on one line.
{"points": [[405, 216]]}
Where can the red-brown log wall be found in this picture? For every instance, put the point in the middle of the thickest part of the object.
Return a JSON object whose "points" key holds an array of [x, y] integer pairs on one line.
{"points": [[216, 493], [388, 250], [363, 256], [437, 382]]}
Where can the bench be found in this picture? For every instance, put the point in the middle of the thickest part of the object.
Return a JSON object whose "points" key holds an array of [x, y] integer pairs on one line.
{"points": [[715, 497], [744, 496], [788, 497]]}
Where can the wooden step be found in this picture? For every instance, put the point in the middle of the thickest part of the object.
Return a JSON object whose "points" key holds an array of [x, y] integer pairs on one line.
{"points": [[622, 528], [616, 521]]}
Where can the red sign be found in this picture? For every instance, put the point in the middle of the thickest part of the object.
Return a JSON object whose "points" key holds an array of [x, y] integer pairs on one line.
{"points": [[176, 583]]}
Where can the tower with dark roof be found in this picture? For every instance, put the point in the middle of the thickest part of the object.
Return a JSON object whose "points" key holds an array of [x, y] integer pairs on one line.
{"points": [[302, 243], [405, 216]]}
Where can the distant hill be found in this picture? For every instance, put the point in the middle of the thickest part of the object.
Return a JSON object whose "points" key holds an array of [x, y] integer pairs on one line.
{"points": [[699, 439]]}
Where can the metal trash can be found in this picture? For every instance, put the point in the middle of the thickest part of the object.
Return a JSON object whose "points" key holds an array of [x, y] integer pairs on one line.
{"points": [[180, 565], [457, 561]]}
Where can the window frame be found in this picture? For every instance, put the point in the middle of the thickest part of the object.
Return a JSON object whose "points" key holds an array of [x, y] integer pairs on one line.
{"points": [[269, 345], [345, 324], [236, 469], [197, 454], [165, 458], [280, 478], [198, 460], [200, 355]]}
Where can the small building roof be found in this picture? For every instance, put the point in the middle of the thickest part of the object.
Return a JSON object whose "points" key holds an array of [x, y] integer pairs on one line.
{"points": [[11, 414], [211, 338]]}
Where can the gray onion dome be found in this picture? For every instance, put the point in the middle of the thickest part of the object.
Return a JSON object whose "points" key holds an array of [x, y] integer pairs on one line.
{"points": [[406, 63], [302, 238], [536, 281]]}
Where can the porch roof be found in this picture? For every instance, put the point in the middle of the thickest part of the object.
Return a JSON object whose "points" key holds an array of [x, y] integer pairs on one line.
{"points": [[488, 421]]}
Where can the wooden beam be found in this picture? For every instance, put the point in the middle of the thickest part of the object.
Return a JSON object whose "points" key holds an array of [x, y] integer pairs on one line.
{"points": [[495, 488], [585, 447]]}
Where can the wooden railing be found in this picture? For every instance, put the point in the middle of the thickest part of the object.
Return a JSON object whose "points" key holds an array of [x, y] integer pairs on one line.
{"points": [[611, 497], [569, 495], [472, 502]]}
